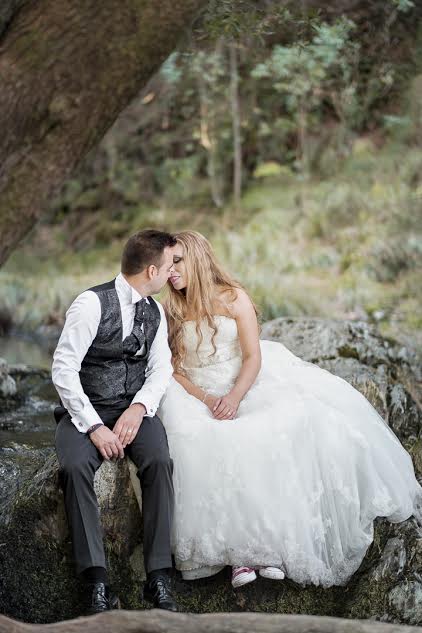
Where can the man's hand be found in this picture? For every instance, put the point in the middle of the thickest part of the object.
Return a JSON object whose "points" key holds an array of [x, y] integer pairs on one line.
{"points": [[107, 443], [129, 422]]}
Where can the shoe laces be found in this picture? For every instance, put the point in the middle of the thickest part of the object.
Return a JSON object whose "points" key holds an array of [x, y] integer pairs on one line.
{"points": [[241, 570], [99, 595], [163, 586]]}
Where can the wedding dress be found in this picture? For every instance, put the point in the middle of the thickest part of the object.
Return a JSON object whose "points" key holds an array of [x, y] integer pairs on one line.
{"points": [[296, 479]]}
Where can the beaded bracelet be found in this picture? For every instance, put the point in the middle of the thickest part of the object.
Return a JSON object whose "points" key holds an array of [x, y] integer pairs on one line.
{"points": [[205, 396]]}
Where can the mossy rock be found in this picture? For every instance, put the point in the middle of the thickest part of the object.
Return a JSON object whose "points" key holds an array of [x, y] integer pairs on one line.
{"points": [[383, 370], [37, 582]]}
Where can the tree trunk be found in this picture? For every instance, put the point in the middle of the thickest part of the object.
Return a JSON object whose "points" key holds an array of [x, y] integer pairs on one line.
{"points": [[67, 69], [304, 161], [208, 142], [209, 124], [237, 141], [158, 621]]}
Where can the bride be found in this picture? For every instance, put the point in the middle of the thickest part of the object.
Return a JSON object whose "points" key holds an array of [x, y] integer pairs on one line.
{"points": [[280, 466]]}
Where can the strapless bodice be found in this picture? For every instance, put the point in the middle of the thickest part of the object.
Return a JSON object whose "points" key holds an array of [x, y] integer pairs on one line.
{"points": [[226, 342], [212, 370]]}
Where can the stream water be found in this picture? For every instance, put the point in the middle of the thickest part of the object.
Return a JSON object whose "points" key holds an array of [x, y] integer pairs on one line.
{"points": [[30, 425], [15, 349]]}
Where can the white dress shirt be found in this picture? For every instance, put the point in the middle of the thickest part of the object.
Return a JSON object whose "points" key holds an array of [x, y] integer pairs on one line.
{"points": [[81, 326]]}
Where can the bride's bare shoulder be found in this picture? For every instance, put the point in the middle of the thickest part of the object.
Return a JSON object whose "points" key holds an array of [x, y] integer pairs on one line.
{"points": [[236, 301]]}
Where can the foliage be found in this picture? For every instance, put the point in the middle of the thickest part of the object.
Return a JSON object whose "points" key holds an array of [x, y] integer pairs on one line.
{"points": [[356, 252], [334, 98]]}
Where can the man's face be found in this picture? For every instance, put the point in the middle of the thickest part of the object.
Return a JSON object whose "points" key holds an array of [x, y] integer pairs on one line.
{"points": [[164, 271]]}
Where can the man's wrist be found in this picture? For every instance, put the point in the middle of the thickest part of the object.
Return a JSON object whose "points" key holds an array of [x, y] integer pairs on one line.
{"points": [[142, 408], [94, 427]]}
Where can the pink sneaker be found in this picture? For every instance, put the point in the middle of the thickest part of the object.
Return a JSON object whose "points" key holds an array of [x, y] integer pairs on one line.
{"points": [[242, 575]]}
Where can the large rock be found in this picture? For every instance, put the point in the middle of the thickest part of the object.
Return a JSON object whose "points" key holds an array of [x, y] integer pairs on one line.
{"points": [[387, 373], [7, 383], [37, 582]]}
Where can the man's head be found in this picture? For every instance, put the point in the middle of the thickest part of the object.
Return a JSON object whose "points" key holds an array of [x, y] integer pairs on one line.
{"points": [[147, 260]]}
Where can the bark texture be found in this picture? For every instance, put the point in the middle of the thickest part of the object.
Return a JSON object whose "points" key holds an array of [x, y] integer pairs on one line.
{"points": [[67, 69], [159, 622]]}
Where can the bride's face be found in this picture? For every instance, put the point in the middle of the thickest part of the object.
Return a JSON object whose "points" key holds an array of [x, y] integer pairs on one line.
{"points": [[179, 278]]}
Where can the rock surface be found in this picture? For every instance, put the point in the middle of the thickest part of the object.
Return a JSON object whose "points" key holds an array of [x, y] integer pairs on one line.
{"points": [[37, 582], [387, 373], [7, 383]]}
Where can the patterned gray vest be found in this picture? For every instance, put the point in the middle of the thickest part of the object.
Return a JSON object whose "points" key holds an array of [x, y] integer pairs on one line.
{"points": [[112, 371]]}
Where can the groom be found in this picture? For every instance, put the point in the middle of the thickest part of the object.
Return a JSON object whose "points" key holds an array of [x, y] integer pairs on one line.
{"points": [[111, 367]]}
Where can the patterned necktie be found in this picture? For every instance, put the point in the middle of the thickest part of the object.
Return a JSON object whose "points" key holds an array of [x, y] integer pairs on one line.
{"points": [[140, 309], [136, 340]]}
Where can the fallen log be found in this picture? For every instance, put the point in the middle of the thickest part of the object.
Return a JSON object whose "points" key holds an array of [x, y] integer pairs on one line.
{"points": [[156, 621]]}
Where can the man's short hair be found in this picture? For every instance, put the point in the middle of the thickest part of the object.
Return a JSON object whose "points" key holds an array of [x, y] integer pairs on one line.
{"points": [[144, 249]]}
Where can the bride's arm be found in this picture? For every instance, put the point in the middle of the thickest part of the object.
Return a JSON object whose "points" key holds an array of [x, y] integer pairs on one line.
{"points": [[192, 389], [195, 391], [247, 325]]}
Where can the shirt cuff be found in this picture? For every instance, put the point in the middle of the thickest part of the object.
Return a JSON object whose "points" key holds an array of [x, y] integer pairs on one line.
{"points": [[148, 401], [83, 420]]}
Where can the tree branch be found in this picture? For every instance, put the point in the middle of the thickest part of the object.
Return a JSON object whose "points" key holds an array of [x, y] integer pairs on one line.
{"points": [[67, 69], [156, 621]]}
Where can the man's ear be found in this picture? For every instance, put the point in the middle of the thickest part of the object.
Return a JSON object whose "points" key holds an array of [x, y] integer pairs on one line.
{"points": [[151, 271]]}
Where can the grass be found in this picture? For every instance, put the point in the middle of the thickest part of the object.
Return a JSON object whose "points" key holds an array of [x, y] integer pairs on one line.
{"points": [[346, 246]]}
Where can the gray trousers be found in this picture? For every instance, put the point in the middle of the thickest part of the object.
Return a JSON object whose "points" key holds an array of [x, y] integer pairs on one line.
{"points": [[79, 460]]}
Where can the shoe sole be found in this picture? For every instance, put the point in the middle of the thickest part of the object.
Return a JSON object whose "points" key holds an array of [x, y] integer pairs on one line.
{"points": [[243, 579], [150, 600], [114, 602], [272, 575]]}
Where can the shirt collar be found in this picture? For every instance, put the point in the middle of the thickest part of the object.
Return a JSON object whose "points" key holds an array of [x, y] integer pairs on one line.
{"points": [[129, 292]]}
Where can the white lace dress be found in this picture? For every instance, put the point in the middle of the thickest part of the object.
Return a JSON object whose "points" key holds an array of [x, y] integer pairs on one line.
{"points": [[296, 479]]}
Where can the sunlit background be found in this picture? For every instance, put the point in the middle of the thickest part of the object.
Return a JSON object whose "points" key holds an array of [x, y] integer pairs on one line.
{"points": [[294, 146]]}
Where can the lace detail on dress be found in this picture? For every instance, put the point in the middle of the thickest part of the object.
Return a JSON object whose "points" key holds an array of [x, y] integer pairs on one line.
{"points": [[296, 479], [215, 371], [226, 341]]}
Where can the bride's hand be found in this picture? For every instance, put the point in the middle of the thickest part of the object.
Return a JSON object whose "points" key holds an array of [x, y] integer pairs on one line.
{"points": [[211, 402], [225, 408]]}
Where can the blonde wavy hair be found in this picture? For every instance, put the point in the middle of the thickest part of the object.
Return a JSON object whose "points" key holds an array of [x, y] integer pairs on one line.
{"points": [[205, 280]]}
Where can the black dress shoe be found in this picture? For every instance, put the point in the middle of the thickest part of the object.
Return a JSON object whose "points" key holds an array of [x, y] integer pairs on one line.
{"points": [[100, 599], [158, 592]]}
